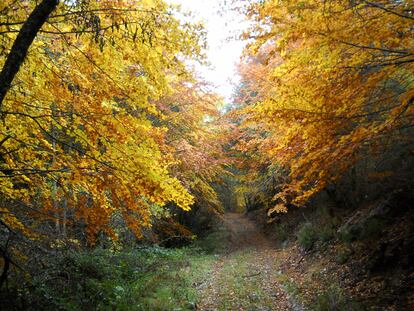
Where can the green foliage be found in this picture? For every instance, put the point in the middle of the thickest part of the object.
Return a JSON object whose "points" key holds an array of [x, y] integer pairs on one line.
{"points": [[343, 256], [145, 279], [281, 232], [373, 228], [347, 236], [307, 236], [292, 288], [214, 243], [334, 300], [369, 229], [326, 233], [310, 234]]}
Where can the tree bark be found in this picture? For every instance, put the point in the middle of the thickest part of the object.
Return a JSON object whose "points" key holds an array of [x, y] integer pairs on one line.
{"points": [[6, 265], [22, 43]]}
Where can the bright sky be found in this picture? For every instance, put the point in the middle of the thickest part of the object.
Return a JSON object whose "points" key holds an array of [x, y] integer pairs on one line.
{"points": [[223, 53]]}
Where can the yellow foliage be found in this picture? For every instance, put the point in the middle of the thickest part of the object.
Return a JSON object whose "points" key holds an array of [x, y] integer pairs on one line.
{"points": [[81, 124], [331, 79]]}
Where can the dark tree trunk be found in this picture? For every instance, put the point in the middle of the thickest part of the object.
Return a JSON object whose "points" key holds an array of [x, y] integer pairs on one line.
{"points": [[22, 43], [6, 265]]}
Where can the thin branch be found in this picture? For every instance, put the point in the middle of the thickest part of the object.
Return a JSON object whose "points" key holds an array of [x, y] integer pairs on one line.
{"points": [[379, 6]]}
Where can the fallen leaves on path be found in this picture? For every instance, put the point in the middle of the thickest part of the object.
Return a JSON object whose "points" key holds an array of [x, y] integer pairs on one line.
{"points": [[245, 276]]}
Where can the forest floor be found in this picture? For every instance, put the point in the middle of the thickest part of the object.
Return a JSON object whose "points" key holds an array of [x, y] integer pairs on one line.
{"points": [[244, 263], [245, 276]]}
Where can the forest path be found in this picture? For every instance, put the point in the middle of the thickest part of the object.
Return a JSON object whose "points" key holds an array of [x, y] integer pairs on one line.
{"points": [[245, 276]]}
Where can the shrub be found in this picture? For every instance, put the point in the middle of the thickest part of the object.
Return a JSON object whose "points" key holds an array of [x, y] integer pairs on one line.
{"points": [[326, 233], [281, 232], [346, 236], [140, 279], [307, 236], [368, 229], [343, 256], [373, 228], [334, 300], [214, 243]]}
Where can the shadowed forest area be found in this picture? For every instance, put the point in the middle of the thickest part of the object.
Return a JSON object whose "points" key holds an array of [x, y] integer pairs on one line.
{"points": [[127, 182]]}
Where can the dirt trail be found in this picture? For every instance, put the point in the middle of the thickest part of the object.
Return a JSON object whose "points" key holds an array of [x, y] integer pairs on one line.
{"points": [[244, 233], [245, 278]]}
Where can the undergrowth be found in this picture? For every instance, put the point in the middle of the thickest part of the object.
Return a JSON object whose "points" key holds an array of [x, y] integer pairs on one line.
{"points": [[333, 299], [311, 235], [307, 236], [138, 279]]}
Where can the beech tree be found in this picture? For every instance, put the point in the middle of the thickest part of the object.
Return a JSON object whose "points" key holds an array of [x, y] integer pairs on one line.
{"points": [[333, 83], [84, 138]]}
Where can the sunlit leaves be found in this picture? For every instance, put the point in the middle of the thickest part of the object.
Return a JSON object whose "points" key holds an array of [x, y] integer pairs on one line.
{"points": [[83, 132], [332, 80]]}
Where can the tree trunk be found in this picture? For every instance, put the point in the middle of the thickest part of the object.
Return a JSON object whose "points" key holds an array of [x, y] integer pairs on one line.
{"points": [[22, 43], [6, 265]]}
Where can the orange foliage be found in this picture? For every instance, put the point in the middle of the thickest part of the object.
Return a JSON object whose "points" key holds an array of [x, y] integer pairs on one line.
{"points": [[331, 81]]}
